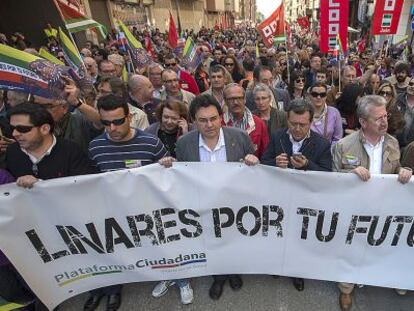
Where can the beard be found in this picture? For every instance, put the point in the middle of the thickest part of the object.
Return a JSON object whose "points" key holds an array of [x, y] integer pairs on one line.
{"points": [[400, 79]]}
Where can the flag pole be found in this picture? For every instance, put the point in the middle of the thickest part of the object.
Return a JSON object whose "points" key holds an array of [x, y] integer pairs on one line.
{"points": [[70, 34]]}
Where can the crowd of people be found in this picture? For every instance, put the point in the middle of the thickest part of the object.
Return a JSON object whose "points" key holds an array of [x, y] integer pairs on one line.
{"points": [[288, 106]]}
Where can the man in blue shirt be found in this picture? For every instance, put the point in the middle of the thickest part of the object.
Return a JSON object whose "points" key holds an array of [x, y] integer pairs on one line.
{"points": [[120, 147]]}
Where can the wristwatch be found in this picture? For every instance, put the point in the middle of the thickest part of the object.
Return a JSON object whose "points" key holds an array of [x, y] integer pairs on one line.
{"points": [[81, 101]]}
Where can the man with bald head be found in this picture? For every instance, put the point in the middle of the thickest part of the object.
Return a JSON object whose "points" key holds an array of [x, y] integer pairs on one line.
{"points": [[91, 68], [141, 93]]}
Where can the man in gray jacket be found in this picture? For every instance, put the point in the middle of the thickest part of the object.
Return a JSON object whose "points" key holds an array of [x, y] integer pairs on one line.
{"points": [[213, 143]]}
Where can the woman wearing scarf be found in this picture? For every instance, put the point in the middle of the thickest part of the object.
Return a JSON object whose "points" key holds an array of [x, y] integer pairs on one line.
{"points": [[327, 120]]}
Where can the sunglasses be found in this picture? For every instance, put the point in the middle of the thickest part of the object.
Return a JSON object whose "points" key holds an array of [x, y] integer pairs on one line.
{"points": [[170, 65], [299, 80], [384, 93], [411, 83], [114, 122], [22, 128], [316, 94]]}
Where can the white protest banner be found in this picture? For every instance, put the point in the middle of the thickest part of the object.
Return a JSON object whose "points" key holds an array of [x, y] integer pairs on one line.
{"points": [[70, 235]]}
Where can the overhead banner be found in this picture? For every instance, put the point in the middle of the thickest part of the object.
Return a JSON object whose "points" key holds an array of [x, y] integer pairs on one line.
{"points": [[386, 17], [70, 235], [333, 22], [273, 26]]}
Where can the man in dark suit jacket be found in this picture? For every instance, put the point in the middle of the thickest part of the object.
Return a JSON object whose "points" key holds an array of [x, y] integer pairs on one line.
{"points": [[299, 148], [212, 143]]}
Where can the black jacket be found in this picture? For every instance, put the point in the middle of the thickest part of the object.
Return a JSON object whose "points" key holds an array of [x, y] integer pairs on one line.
{"points": [[315, 148], [66, 159]]}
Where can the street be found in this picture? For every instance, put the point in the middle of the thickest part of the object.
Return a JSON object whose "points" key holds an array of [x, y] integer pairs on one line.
{"points": [[258, 293]]}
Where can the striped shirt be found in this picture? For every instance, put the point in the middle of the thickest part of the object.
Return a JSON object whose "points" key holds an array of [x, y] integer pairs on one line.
{"points": [[142, 149]]}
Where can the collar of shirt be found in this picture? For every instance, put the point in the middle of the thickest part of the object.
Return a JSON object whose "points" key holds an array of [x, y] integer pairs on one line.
{"points": [[369, 145], [220, 142], [297, 143], [48, 151], [366, 142]]}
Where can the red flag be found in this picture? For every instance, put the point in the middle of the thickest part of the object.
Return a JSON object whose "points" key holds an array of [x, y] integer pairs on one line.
{"points": [[386, 17], [149, 48], [333, 22], [172, 34], [272, 26], [303, 22], [362, 45]]}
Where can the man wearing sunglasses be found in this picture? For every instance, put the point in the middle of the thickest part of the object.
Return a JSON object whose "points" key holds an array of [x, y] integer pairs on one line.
{"points": [[172, 88], [120, 147], [368, 151], [37, 153], [186, 81]]}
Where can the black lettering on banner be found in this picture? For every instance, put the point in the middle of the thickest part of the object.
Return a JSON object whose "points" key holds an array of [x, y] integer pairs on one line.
{"points": [[353, 227], [182, 215], [375, 242], [401, 220], [134, 231], [38, 245], [257, 220], [277, 223], [305, 212], [68, 241], [218, 225], [160, 225], [332, 228], [147, 219], [112, 226], [94, 242], [410, 237]]}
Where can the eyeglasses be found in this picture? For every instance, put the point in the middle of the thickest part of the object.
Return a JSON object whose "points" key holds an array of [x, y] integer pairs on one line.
{"points": [[170, 81], [170, 65], [385, 93], [114, 122], [22, 128], [383, 117], [299, 80], [316, 94], [235, 99], [206, 120], [261, 98], [229, 64], [300, 125]]}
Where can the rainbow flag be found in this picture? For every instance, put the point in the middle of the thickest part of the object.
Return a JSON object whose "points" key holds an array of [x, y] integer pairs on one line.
{"points": [[31, 74], [71, 53]]}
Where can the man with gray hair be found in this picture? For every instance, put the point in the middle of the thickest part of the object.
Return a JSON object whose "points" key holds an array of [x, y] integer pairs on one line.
{"points": [[367, 151], [154, 75]]}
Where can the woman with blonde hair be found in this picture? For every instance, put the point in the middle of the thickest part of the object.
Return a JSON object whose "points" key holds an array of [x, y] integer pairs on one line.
{"points": [[396, 120]]}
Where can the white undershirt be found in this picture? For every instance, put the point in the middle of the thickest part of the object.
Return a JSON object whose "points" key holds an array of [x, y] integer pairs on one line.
{"points": [[218, 154], [375, 156]]}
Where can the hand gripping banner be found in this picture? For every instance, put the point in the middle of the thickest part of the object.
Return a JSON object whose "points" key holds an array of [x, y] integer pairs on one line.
{"points": [[70, 235]]}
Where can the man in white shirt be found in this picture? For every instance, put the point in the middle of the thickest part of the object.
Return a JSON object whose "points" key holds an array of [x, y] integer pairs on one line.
{"points": [[368, 151], [213, 143]]}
